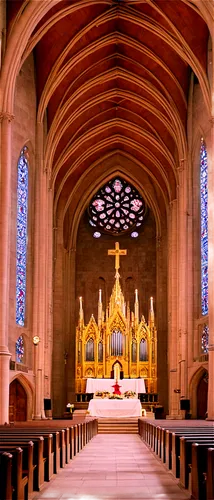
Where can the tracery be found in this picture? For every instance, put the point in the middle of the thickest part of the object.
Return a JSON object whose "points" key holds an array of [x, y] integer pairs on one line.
{"points": [[116, 208]]}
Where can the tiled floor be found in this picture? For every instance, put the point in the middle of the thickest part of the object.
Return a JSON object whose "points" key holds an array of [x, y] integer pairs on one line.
{"points": [[113, 467]]}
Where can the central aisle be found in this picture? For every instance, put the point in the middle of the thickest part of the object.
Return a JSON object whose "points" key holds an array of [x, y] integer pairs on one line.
{"points": [[114, 467]]}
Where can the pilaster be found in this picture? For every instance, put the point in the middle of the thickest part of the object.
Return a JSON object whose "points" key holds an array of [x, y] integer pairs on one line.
{"points": [[40, 302], [182, 303], [5, 218], [174, 384]]}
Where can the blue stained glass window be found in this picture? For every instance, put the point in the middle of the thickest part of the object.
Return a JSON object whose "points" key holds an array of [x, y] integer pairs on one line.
{"points": [[21, 239], [204, 227], [205, 339], [20, 350]]}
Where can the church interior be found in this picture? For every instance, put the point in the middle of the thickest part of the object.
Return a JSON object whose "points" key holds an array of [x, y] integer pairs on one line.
{"points": [[107, 228]]}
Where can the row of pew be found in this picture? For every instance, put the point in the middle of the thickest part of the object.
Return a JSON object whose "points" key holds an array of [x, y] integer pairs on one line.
{"points": [[187, 450], [30, 455]]}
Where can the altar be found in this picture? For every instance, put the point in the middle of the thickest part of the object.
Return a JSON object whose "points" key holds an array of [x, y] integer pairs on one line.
{"points": [[116, 343], [122, 408], [106, 384]]}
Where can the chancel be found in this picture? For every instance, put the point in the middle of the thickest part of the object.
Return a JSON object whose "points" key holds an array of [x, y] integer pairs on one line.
{"points": [[119, 345], [106, 248]]}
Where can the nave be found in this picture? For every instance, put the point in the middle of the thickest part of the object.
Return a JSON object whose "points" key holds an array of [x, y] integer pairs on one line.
{"points": [[114, 467]]}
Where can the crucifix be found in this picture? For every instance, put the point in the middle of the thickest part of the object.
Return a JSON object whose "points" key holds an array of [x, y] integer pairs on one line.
{"points": [[117, 252]]}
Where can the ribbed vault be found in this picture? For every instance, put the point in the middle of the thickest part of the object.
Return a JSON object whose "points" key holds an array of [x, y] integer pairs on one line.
{"points": [[113, 79]]}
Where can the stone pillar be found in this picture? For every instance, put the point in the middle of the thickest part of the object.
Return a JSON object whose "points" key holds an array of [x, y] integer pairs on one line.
{"points": [[41, 258], [5, 217], [174, 383], [211, 275], [182, 280], [71, 324]]}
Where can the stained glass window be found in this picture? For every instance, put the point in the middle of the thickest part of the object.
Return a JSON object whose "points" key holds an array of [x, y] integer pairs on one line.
{"points": [[205, 339], [204, 227], [21, 239], [20, 350], [116, 208]]}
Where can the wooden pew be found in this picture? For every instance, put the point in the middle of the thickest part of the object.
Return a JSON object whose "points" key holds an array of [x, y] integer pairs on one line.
{"points": [[27, 458], [186, 455], [38, 461], [50, 448], [6, 489], [200, 486], [19, 479], [210, 474]]}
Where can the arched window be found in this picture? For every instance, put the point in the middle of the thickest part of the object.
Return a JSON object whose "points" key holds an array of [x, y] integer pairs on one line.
{"points": [[20, 350], [117, 208], [89, 350], [204, 227], [205, 339], [21, 238], [143, 356]]}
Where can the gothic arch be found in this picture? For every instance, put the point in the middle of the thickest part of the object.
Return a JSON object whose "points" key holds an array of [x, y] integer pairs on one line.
{"points": [[29, 389], [193, 386]]}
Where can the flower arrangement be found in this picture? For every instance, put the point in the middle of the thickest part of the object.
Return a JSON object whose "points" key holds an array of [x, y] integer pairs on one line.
{"points": [[130, 395], [98, 394], [102, 394], [70, 407], [115, 396]]}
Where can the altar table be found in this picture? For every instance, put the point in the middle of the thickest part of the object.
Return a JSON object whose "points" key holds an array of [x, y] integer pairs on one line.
{"points": [[105, 384], [115, 408]]}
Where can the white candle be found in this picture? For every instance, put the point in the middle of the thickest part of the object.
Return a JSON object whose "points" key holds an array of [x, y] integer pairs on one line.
{"points": [[136, 295], [100, 295]]}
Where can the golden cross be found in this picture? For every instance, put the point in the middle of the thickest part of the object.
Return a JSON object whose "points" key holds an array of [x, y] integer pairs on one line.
{"points": [[117, 252]]}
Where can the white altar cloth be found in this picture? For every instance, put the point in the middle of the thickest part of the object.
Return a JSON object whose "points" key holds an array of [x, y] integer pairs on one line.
{"points": [[115, 408], [105, 384]]}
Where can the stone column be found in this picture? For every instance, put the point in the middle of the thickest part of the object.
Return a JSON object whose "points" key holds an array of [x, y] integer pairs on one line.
{"points": [[182, 279], [5, 218], [40, 302], [174, 383], [211, 275], [71, 324]]}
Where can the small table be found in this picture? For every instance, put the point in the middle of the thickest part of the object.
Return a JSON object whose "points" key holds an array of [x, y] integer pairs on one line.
{"points": [[122, 408]]}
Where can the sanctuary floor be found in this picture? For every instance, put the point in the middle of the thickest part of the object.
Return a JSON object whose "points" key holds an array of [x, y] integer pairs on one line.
{"points": [[113, 467]]}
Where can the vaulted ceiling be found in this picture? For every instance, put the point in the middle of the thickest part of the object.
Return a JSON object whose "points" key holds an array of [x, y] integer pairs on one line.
{"points": [[113, 77]]}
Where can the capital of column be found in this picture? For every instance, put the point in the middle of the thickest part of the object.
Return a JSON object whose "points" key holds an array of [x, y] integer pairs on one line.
{"points": [[6, 116]]}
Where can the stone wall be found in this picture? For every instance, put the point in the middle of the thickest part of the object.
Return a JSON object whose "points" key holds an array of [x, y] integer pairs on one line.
{"points": [[23, 133]]}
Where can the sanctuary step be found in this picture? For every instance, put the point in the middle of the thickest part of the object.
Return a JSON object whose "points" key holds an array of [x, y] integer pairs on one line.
{"points": [[118, 426]]}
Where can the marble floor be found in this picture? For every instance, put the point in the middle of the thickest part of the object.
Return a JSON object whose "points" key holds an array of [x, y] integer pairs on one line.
{"points": [[113, 467]]}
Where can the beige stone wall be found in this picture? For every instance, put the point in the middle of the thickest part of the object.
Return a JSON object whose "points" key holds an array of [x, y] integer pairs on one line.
{"points": [[23, 133]]}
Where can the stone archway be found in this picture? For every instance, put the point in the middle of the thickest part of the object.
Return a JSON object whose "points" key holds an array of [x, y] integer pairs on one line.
{"points": [[202, 393], [199, 393], [17, 402], [20, 399]]}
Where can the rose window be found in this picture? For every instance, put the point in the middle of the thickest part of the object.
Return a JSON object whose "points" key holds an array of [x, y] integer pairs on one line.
{"points": [[117, 208]]}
